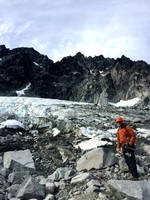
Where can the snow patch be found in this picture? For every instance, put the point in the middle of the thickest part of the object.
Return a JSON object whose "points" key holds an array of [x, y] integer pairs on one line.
{"points": [[127, 103], [22, 92], [89, 132], [143, 132], [113, 131], [102, 73], [92, 143], [55, 131], [36, 64], [0, 59], [11, 123]]}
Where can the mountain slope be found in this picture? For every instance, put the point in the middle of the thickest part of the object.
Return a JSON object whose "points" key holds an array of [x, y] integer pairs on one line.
{"points": [[77, 78]]}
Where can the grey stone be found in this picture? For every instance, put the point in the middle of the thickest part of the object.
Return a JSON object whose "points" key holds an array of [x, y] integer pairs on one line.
{"points": [[140, 169], [97, 159], [4, 172], [30, 188], [50, 187], [102, 196], [22, 157], [146, 149], [94, 183], [81, 177], [13, 189], [49, 197], [61, 173], [17, 177], [122, 165], [34, 132], [61, 184], [15, 199], [92, 188], [1, 160], [139, 190]]}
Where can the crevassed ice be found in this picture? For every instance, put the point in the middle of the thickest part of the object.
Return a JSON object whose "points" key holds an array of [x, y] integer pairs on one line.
{"points": [[30, 106]]}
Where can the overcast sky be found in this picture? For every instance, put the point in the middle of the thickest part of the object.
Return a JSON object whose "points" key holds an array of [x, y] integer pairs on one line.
{"points": [[60, 28]]}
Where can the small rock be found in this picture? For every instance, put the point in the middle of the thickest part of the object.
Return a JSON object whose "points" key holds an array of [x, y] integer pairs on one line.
{"points": [[94, 183], [30, 188], [50, 188], [61, 173], [49, 197], [80, 178], [102, 196], [92, 188]]}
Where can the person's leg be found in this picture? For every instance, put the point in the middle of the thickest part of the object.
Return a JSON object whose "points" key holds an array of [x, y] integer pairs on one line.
{"points": [[131, 162]]}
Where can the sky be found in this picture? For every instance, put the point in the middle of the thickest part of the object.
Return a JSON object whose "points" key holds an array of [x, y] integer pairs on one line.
{"points": [[59, 28]]}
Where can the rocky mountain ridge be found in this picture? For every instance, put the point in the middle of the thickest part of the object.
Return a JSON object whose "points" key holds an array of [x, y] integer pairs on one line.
{"points": [[97, 80]]}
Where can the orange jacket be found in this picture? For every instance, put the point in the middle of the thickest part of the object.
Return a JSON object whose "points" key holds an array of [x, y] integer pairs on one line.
{"points": [[125, 134]]}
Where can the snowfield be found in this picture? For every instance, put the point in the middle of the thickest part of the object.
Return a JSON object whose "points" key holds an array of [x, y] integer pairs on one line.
{"points": [[127, 103]]}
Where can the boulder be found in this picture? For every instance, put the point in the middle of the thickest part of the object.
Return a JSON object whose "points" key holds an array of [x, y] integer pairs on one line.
{"points": [[13, 190], [96, 159], [102, 196], [138, 190], [49, 197], [4, 172], [50, 187], [81, 177], [61, 173], [30, 188], [22, 157], [94, 183], [146, 149], [92, 188], [122, 165], [17, 177]]}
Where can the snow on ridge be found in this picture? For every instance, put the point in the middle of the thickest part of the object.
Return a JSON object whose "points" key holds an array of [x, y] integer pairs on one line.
{"points": [[126, 103], [21, 92], [36, 64]]}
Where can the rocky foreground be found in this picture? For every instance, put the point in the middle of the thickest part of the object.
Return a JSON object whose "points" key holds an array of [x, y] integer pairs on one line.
{"points": [[51, 149]]}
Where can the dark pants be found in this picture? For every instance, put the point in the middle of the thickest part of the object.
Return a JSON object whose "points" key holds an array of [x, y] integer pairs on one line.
{"points": [[130, 160]]}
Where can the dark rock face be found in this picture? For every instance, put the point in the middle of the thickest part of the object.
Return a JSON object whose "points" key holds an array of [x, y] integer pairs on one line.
{"points": [[77, 78], [18, 67]]}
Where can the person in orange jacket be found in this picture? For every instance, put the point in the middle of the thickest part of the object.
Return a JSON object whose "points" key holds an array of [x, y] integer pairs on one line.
{"points": [[126, 138]]}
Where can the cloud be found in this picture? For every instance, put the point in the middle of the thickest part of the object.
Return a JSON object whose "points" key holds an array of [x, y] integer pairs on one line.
{"points": [[65, 27]]}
